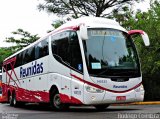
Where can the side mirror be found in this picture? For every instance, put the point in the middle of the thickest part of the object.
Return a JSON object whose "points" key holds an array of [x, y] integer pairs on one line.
{"points": [[83, 32], [143, 34]]}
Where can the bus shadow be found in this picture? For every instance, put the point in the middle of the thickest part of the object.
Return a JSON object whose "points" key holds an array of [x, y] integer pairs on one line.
{"points": [[83, 109]]}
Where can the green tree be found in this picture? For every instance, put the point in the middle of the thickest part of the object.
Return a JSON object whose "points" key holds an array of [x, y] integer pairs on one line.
{"points": [[56, 24], [4, 53], [149, 57], [21, 39], [78, 8]]}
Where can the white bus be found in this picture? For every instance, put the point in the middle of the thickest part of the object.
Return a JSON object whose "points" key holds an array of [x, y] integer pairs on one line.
{"points": [[86, 61]]}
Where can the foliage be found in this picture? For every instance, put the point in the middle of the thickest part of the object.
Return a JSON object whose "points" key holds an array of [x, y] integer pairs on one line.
{"points": [[56, 24], [149, 22], [23, 39], [78, 8], [4, 53]]}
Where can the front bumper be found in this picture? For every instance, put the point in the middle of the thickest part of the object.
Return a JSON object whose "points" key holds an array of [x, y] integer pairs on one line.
{"points": [[111, 98]]}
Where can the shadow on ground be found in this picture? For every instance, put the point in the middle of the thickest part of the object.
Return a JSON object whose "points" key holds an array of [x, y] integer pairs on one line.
{"points": [[83, 109]]}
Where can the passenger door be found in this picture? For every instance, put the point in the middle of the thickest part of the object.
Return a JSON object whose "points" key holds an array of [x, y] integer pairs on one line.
{"points": [[76, 69], [60, 50]]}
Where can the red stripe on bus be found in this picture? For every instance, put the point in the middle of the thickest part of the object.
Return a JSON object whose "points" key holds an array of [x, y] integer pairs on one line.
{"points": [[9, 61], [75, 28], [132, 32], [66, 99], [102, 88]]}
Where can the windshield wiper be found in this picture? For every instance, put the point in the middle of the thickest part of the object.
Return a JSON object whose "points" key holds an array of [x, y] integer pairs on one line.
{"points": [[126, 72], [99, 74]]}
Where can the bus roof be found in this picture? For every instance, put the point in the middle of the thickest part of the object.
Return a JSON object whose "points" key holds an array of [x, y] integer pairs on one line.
{"points": [[95, 22]]}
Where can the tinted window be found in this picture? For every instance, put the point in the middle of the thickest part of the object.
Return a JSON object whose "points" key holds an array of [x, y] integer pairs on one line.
{"points": [[18, 60], [41, 49], [24, 58], [76, 58], [37, 50], [111, 53], [30, 54], [66, 49], [44, 48], [60, 47]]}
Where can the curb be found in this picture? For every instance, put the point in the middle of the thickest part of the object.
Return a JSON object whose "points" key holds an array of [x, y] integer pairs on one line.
{"points": [[146, 103], [138, 103]]}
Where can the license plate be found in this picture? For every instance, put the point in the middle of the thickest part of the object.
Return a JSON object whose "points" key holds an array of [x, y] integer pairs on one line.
{"points": [[120, 98]]}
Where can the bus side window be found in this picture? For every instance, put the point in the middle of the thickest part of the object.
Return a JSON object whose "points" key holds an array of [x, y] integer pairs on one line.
{"points": [[60, 47], [76, 57], [24, 60], [44, 48], [18, 60], [41, 49], [30, 54], [36, 51]]}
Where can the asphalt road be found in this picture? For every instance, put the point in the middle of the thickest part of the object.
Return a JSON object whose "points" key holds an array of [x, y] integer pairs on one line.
{"points": [[84, 112]]}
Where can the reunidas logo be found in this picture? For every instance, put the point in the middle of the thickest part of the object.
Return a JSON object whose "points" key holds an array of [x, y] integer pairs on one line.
{"points": [[122, 86], [35, 68]]}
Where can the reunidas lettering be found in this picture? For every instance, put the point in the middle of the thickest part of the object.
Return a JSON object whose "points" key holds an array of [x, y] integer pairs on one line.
{"points": [[35, 68], [123, 86]]}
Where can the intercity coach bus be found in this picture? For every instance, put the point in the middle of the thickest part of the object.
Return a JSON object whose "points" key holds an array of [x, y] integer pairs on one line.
{"points": [[86, 61]]}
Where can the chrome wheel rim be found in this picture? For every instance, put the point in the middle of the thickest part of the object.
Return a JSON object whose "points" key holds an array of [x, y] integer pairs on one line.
{"points": [[10, 99], [57, 101], [14, 101]]}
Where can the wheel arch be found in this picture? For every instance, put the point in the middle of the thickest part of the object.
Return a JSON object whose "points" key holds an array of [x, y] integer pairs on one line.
{"points": [[53, 88]]}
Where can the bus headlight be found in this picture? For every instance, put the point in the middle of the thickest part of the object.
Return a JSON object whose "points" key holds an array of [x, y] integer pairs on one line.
{"points": [[92, 89], [140, 88]]}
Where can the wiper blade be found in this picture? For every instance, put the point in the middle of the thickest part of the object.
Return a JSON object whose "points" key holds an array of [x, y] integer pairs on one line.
{"points": [[125, 72], [102, 72]]}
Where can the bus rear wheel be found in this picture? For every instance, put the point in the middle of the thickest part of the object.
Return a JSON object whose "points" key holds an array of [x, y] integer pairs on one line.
{"points": [[15, 102], [10, 99], [56, 103], [101, 107]]}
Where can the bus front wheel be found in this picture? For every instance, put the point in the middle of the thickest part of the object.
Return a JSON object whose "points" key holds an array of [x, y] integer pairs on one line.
{"points": [[55, 101]]}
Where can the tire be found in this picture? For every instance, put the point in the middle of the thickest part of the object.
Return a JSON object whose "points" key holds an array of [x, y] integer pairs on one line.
{"points": [[55, 101], [10, 100], [15, 102], [101, 107]]}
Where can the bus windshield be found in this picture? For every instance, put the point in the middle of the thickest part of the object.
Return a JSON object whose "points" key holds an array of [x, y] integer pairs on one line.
{"points": [[110, 53]]}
